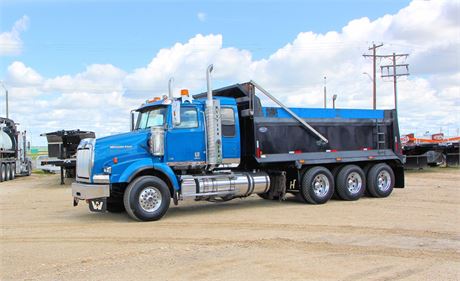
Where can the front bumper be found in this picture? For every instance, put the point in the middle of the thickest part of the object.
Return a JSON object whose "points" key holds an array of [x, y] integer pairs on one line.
{"points": [[85, 191]]}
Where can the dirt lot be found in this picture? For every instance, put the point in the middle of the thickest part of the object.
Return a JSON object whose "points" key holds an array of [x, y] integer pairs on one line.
{"points": [[414, 234]]}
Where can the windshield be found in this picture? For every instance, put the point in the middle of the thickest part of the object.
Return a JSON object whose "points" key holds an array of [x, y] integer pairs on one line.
{"points": [[152, 118]]}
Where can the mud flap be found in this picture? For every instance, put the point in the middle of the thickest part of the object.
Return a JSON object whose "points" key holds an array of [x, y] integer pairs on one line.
{"points": [[98, 205]]}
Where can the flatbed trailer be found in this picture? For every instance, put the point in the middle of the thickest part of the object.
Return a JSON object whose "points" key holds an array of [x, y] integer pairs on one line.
{"points": [[224, 144], [438, 151]]}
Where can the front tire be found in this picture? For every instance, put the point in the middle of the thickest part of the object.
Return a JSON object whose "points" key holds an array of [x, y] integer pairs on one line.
{"points": [[380, 180], [351, 183], [147, 198], [317, 185]]}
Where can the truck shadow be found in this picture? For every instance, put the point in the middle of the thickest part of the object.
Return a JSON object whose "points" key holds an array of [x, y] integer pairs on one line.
{"points": [[190, 209]]}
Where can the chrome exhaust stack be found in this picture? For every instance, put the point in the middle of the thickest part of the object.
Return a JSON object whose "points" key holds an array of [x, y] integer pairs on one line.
{"points": [[213, 126], [170, 91]]}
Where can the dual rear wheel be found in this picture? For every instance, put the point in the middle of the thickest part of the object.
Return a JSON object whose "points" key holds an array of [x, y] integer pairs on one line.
{"points": [[7, 171], [349, 183]]}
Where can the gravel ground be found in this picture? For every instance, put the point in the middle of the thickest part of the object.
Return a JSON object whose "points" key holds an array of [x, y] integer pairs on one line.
{"points": [[412, 235]]}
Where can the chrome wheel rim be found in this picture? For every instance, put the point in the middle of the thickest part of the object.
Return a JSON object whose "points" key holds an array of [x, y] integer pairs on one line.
{"points": [[150, 199], [354, 182], [320, 185], [384, 180]]}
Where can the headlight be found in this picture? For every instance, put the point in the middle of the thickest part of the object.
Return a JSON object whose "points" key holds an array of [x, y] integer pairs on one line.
{"points": [[107, 170]]}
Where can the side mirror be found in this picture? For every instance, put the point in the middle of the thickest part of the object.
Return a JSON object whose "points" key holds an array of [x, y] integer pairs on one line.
{"points": [[132, 121], [28, 145], [176, 112]]}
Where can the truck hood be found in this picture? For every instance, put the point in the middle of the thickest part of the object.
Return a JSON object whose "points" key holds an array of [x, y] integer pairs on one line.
{"points": [[121, 148]]}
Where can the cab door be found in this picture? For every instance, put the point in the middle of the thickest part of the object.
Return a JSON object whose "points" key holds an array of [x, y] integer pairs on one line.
{"points": [[185, 142], [230, 134]]}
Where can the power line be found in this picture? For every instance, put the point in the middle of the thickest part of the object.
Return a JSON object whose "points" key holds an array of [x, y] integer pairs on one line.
{"points": [[394, 73]]}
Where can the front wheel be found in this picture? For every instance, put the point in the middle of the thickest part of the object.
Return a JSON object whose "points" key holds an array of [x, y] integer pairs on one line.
{"points": [[317, 185], [29, 168], [147, 198]]}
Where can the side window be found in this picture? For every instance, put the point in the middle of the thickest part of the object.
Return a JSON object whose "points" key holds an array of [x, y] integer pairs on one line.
{"points": [[228, 121], [188, 118]]}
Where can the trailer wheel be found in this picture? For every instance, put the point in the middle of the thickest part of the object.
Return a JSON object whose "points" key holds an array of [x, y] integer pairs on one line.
{"points": [[380, 180], [2, 172], [8, 171], [351, 183], [317, 185], [147, 198], [13, 171]]}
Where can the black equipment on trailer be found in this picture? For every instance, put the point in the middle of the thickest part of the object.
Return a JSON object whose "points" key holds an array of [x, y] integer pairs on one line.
{"points": [[63, 146]]}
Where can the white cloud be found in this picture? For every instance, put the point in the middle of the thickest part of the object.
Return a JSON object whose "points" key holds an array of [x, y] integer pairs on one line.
{"points": [[10, 41], [201, 16], [21, 75], [99, 98]]}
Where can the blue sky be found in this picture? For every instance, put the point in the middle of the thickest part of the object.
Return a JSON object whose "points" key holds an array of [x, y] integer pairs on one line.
{"points": [[66, 36]]}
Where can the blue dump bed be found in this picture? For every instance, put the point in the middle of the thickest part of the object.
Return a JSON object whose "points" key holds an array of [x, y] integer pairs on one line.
{"points": [[326, 113]]}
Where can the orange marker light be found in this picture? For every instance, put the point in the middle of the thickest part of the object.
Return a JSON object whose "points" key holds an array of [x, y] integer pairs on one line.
{"points": [[184, 92], [115, 160]]}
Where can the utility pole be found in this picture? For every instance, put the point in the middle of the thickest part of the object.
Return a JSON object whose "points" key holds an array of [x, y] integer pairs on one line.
{"points": [[334, 97], [394, 72], [324, 91], [6, 97], [374, 72]]}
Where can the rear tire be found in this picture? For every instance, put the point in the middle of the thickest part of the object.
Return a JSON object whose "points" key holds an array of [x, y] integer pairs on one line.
{"points": [[351, 183], [13, 171], [317, 185], [380, 180], [2, 172], [147, 198], [8, 171]]}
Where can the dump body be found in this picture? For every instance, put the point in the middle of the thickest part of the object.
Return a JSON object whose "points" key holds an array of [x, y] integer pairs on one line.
{"points": [[272, 135]]}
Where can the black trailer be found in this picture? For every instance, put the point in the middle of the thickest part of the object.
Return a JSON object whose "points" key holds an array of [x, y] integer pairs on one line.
{"points": [[422, 155], [63, 146]]}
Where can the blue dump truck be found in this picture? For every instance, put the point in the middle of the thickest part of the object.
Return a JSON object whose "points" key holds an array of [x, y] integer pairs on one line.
{"points": [[223, 144]]}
